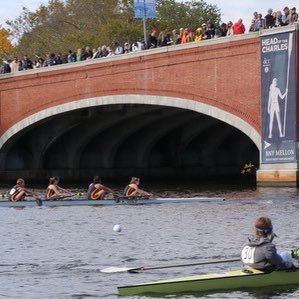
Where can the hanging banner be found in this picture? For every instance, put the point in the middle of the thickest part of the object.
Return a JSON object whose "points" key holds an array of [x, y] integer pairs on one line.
{"points": [[145, 9], [278, 75]]}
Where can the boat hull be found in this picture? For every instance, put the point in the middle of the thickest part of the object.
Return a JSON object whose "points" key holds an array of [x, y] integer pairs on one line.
{"points": [[237, 279], [106, 202]]}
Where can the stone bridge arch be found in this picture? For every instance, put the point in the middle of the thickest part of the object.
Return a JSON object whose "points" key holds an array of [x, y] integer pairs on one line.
{"points": [[186, 104]]}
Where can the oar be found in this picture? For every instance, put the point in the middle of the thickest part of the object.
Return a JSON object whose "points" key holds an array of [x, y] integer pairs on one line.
{"points": [[145, 268], [38, 201], [37, 198]]}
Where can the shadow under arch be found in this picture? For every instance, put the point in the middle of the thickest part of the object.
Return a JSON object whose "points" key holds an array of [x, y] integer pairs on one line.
{"points": [[187, 104]]}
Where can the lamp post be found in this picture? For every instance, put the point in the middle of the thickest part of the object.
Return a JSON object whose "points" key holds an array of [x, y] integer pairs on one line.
{"points": [[145, 9], [144, 22]]}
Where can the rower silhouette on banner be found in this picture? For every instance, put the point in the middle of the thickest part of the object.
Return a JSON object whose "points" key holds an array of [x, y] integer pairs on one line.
{"points": [[273, 101], [273, 107]]}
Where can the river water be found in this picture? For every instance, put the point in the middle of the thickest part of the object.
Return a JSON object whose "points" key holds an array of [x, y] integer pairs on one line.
{"points": [[58, 252]]}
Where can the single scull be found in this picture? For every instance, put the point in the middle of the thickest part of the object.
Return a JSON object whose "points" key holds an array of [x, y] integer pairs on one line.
{"points": [[232, 280]]}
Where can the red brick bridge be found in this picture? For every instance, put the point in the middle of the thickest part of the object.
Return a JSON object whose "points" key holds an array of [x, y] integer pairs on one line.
{"points": [[180, 111]]}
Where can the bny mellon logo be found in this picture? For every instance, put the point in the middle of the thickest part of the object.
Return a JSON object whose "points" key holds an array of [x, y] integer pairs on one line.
{"points": [[266, 144]]}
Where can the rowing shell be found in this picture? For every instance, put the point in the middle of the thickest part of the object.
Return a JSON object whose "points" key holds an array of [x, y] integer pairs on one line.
{"points": [[107, 202], [232, 280]]}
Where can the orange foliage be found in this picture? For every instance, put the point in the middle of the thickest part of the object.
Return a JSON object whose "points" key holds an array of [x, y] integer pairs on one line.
{"points": [[6, 46]]}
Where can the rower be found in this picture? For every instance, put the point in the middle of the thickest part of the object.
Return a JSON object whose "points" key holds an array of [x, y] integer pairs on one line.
{"points": [[96, 190], [133, 189], [260, 253], [19, 192], [54, 191]]}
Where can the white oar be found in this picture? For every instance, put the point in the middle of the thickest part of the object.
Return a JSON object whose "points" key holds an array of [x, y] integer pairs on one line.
{"points": [[144, 268]]}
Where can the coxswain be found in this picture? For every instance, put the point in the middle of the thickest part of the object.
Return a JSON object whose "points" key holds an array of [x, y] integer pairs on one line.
{"points": [[19, 192], [96, 190], [133, 189], [54, 191], [260, 253]]}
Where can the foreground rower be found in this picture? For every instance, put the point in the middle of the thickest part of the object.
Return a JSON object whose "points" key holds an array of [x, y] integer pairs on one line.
{"points": [[260, 253], [54, 191], [133, 189], [19, 192], [96, 190]]}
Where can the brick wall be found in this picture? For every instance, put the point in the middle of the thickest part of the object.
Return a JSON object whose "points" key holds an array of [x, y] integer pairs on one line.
{"points": [[224, 73]]}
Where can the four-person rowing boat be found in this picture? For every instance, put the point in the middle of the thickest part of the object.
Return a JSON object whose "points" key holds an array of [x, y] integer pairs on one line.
{"points": [[123, 200], [232, 280]]}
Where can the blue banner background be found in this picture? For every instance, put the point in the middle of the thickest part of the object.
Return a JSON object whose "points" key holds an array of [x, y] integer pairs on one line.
{"points": [[278, 63]]}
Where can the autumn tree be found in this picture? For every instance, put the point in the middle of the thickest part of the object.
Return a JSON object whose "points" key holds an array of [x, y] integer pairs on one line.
{"points": [[6, 46], [188, 14]]}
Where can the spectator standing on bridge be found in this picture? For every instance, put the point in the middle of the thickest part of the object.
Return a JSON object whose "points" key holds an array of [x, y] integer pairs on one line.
{"points": [[221, 30], [293, 16], [97, 53], [175, 37], [205, 32], [15, 65], [58, 59], [26, 63], [162, 41], [210, 31], [104, 51], [110, 52], [152, 40], [269, 19], [261, 24], [135, 47], [5, 69], [86, 54], [238, 27], [185, 36], [127, 47], [198, 35], [277, 19], [50, 60], [285, 16], [118, 49], [38, 63], [78, 55], [229, 28], [71, 57], [253, 25]]}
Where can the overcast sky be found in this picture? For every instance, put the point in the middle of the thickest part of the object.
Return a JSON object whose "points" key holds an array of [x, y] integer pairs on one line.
{"points": [[231, 10]]}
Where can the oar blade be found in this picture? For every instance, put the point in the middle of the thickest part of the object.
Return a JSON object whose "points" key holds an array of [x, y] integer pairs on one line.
{"points": [[117, 269], [39, 202]]}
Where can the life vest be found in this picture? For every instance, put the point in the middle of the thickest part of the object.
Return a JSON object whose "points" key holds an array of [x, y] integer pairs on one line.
{"points": [[94, 193], [15, 190], [129, 190], [50, 193]]}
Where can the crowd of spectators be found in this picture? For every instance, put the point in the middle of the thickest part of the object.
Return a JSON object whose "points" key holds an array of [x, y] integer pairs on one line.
{"points": [[273, 19], [182, 36]]}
